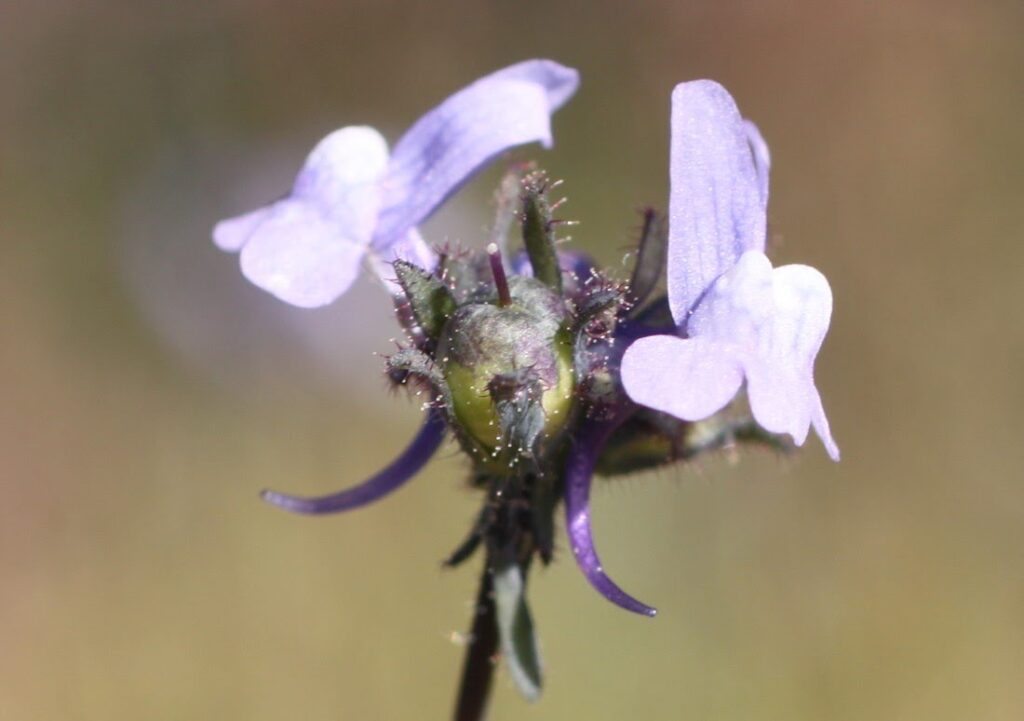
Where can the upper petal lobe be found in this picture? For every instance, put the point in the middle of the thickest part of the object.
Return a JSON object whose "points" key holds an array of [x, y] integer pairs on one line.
{"points": [[348, 157], [716, 206], [762, 158], [446, 146]]}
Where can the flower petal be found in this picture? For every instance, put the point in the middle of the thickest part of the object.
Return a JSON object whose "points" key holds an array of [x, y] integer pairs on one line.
{"points": [[821, 427], [783, 402], [780, 376], [307, 248], [447, 145], [762, 158], [231, 234], [398, 472], [349, 157], [341, 179], [687, 378], [737, 306], [716, 212], [772, 321], [803, 310], [779, 398], [578, 476], [296, 253]]}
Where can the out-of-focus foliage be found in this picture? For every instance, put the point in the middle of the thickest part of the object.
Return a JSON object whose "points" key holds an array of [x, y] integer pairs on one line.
{"points": [[149, 392]]}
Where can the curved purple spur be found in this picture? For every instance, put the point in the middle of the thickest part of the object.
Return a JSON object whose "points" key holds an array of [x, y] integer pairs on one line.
{"points": [[391, 478], [578, 476]]}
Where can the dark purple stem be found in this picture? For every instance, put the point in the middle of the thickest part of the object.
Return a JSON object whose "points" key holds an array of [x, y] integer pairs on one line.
{"points": [[578, 475], [407, 465], [478, 668]]}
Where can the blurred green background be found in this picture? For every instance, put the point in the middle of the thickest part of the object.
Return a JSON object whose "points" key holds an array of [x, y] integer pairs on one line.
{"points": [[148, 392]]}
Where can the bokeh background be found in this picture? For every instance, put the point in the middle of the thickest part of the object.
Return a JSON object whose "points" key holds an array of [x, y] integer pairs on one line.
{"points": [[148, 392]]}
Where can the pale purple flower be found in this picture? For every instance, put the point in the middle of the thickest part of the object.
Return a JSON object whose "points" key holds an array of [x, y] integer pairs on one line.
{"points": [[353, 198], [737, 318]]}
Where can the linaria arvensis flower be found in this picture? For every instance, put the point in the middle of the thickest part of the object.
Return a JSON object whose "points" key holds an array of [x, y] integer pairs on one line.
{"points": [[353, 198], [545, 369], [735, 316]]}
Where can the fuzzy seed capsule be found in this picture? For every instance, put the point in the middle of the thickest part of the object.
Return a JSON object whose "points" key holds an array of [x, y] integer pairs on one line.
{"points": [[518, 354]]}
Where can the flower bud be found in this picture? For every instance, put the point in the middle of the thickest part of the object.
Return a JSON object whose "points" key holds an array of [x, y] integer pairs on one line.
{"points": [[509, 368]]}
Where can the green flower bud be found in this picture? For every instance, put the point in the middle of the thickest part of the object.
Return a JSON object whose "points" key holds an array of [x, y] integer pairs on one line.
{"points": [[516, 356]]}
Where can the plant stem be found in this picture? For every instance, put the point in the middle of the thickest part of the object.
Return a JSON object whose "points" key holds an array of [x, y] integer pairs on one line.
{"points": [[478, 669]]}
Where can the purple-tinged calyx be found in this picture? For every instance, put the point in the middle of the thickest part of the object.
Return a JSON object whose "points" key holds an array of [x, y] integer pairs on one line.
{"points": [[353, 198], [391, 478], [737, 318]]}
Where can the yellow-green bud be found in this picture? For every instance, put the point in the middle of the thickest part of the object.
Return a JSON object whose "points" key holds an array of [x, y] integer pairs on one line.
{"points": [[522, 347]]}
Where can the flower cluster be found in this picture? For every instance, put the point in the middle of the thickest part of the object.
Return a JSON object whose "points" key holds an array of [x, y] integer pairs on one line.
{"points": [[544, 369]]}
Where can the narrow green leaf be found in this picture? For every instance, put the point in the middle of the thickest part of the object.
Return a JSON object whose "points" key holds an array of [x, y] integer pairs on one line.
{"points": [[429, 299], [515, 629], [538, 231]]}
